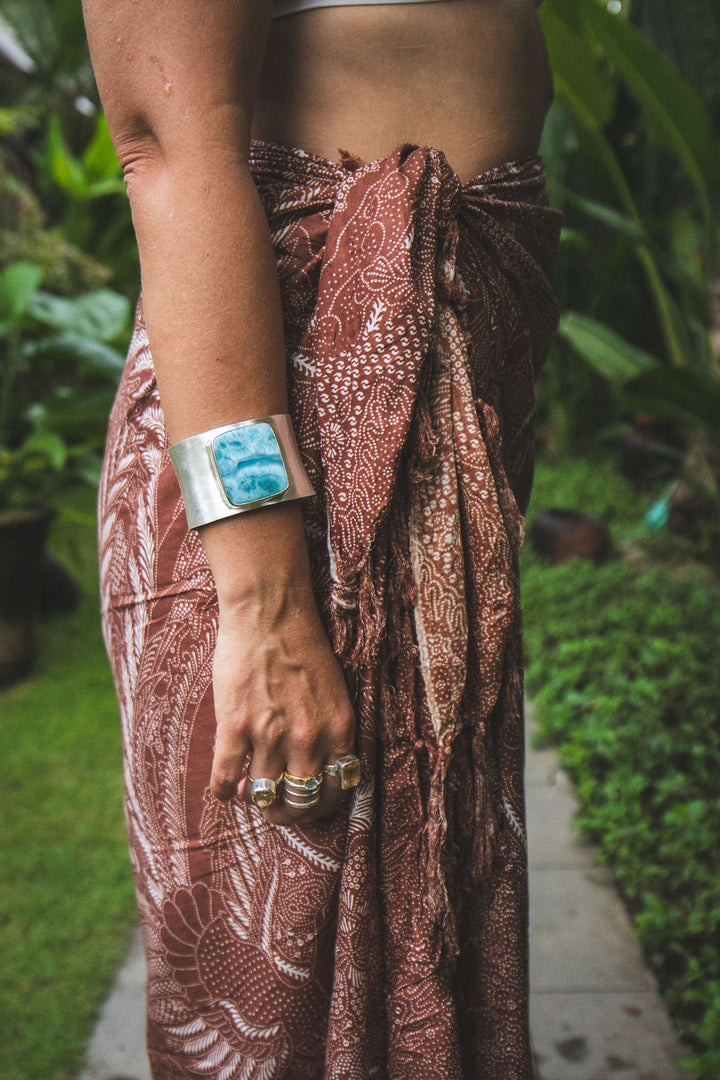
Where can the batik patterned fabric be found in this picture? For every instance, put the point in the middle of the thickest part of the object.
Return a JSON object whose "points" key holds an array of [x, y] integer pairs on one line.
{"points": [[390, 942]]}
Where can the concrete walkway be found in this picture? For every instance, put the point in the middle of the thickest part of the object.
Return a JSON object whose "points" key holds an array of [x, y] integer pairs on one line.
{"points": [[595, 1012], [594, 1009]]}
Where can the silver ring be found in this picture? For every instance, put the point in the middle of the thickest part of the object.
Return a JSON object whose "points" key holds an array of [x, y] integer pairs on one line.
{"points": [[263, 791], [302, 796], [306, 805], [346, 769]]}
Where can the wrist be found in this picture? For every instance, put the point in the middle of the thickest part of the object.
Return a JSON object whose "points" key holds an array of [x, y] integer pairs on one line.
{"points": [[260, 560]]}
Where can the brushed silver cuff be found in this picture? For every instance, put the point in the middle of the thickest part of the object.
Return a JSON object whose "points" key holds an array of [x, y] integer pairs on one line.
{"points": [[217, 469]]}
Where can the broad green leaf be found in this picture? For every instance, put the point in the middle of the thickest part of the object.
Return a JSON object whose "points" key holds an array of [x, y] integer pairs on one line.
{"points": [[76, 517], [568, 10], [101, 315], [85, 352], [598, 150], [80, 418], [18, 282], [577, 79], [100, 160], [614, 219], [608, 353], [87, 466], [688, 240], [47, 444], [65, 169], [675, 115], [109, 186]]}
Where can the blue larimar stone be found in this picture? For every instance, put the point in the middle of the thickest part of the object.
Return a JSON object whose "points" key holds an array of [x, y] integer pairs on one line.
{"points": [[250, 463]]}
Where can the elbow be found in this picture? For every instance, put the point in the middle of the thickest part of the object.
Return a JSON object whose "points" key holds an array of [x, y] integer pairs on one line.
{"points": [[141, 159], [148, 160]]}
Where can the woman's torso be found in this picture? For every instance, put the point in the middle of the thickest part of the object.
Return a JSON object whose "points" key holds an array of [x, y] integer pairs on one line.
{"points": [[468, 76]]}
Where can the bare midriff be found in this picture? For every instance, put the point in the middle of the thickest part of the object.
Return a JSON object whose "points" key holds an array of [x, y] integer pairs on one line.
{"points": [[470, 77]]}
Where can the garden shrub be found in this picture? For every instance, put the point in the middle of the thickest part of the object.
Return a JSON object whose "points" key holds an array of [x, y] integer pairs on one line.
{"points": [[622, 664]]}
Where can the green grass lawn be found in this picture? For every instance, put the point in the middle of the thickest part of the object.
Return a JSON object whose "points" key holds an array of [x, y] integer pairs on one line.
{"points": [[66, 896]]}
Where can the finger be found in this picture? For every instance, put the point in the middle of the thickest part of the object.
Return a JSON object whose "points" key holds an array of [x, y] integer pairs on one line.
{"points": [[263, 764], [231, 752], [282, 812]]}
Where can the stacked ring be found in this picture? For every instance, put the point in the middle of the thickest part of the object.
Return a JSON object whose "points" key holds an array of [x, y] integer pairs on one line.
{"points": [[301, 792], [263, 791]]}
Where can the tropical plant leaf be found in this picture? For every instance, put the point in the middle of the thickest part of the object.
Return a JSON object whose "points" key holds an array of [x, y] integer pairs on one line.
{"points": [[100, 160], [18, 282], [101, 315], [78, 418], [598, 152], [617, 221], [65, 169], [84, 352], [676, 117], [577, 78], [111, 185], [609, 354], [48, 446], [17, 120]]}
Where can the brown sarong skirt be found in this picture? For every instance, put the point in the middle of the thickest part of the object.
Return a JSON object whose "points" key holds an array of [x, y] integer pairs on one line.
{"points": [[389, 942]]}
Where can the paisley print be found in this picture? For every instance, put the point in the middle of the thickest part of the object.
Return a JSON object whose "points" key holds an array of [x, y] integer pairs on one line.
{"points": [[388, 943]]}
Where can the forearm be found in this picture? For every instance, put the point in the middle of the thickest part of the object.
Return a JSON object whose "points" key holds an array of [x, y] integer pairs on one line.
{"points": [[178, 83], [210, 291], [212, 308]]}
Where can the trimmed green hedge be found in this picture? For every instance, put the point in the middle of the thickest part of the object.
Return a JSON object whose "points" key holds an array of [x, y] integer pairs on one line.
{"points": [[622, 662]]}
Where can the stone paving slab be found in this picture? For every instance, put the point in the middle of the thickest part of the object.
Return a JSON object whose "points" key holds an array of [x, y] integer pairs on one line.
{"points": [[541, 766], [595, 1012], [117, 1048], [580, 934], [552, 844], [602, 1037]]}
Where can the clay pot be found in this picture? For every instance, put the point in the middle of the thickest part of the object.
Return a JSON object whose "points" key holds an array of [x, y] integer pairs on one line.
{"points": [[559, 535], [59, 592], [22, 549]]}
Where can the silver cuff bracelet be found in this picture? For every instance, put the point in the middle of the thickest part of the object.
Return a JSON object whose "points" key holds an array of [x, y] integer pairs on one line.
{"points": [[238, 467]]}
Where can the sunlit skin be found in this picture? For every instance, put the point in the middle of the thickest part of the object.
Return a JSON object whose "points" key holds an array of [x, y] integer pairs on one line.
{"points": [[184, 84]]}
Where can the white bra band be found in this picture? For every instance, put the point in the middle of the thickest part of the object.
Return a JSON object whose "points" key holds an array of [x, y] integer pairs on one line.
{"points": [[291, 7]]}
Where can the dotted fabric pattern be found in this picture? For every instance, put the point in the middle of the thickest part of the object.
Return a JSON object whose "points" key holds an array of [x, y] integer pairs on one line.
{"points": [[391, 941]]}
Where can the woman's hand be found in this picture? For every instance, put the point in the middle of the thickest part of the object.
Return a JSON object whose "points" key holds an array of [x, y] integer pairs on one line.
{"points": [[281, 697]]}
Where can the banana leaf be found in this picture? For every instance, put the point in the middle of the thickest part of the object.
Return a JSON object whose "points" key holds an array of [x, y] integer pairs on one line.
{"points": [[575, 67], [606, 352], [675, 115]]}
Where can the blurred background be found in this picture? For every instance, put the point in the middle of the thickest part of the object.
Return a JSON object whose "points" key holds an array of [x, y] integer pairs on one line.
{"points": [[621, 568]]}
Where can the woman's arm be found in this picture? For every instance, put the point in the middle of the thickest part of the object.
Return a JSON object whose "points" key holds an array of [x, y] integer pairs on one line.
{"points": [[177, 81]]}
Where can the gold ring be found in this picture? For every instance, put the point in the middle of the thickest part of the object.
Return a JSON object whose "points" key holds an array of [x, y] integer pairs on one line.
{"points": [[301, 784]]}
